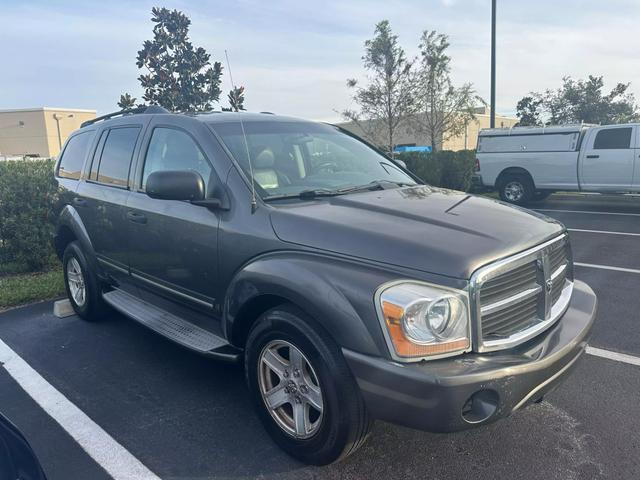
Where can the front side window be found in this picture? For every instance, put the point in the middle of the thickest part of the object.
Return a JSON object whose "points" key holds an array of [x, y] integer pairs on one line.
{"points": [[171, 149], [292, 157], [613, 139], [73, 156], [116, 157]]}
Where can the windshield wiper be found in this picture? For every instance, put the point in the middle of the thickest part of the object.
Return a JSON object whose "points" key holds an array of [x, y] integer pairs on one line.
{"points": [[376, 185], [325, 192], [307, 194]]}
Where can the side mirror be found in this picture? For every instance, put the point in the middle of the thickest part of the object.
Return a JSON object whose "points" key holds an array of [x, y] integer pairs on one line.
{"points": [[176, 185]]}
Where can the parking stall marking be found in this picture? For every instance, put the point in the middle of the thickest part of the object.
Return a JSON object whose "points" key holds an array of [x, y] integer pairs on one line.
{"points": [[618, 357], [98, 444], [586, 212], [605, 232], [606, 267]]}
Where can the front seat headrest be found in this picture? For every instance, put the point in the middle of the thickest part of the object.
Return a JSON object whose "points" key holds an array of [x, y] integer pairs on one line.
{"points": [[264, 159]]}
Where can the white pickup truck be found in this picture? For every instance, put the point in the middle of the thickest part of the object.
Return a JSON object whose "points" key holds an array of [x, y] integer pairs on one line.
{"points": [[525, 164]]}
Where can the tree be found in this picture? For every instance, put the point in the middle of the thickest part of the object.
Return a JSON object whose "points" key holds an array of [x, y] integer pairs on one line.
{"points": [[126, 102], [445, 111], [528, 111], [236, 99], [387, 99], [579, 101], [180, 77]]}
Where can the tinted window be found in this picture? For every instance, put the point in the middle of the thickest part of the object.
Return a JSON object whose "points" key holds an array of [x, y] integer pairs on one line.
{"points": [[73, 155], [116, 156], [613, 138], [171, 149]]}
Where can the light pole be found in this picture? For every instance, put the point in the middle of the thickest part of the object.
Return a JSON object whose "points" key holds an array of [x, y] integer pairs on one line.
{"points": [[492, 121], [57, 118]]}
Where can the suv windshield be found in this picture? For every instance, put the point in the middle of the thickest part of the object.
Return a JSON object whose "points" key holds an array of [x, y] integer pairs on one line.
{"points": [[293, 158]]}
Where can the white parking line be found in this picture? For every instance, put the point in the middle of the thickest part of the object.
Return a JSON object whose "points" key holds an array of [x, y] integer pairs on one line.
{"points": [[606, 267], [606, 232], [98, 444], [618, 357], [586, 212]]}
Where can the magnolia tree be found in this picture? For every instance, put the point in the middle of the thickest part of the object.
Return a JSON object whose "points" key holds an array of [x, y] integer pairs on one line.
{"points": [[179, 76]]}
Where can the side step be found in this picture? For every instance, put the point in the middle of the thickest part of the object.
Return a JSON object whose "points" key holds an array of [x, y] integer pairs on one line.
{"points": [[171, 326]]}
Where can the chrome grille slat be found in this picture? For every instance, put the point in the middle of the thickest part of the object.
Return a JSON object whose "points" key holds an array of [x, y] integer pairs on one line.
{"points": [[491, 320], [497, 325], [513, 302]]}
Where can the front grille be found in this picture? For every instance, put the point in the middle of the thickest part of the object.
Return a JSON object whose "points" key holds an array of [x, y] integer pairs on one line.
{"points": [[518, 296]]}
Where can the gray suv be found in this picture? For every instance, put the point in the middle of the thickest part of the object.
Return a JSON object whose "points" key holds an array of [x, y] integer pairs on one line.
{"points": [[350, 290]]}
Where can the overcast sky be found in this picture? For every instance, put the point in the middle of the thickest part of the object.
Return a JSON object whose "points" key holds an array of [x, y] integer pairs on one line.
{"points": [[293, 56]]}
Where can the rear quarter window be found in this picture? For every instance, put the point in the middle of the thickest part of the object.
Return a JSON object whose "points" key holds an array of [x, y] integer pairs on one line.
{"points": [[73, 155]]}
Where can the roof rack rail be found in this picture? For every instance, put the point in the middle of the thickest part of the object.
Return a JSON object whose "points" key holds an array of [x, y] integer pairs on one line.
{"points": [[151, 109]]}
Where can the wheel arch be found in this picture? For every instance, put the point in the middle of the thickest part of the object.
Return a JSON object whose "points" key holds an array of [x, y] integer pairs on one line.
{"points": [[70, 228], [311, 283], [513, 171]]}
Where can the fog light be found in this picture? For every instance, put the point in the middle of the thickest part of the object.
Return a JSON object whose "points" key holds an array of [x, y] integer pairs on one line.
{"points": [[480, 406]]}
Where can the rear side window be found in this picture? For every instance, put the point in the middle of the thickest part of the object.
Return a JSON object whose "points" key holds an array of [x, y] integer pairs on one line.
{"points": [[171, 149], [74, 155], [613, 139], [117, 152]]}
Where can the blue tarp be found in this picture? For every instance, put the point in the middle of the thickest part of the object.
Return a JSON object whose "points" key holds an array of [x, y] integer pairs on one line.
{"points": [[412, 149]]}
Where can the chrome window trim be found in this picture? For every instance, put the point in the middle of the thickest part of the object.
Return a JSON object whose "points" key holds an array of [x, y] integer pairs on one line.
{"points": [[552, 314]]}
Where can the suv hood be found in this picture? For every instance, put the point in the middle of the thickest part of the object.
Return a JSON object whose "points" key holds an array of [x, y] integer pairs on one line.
{"points": [[424, 228]]}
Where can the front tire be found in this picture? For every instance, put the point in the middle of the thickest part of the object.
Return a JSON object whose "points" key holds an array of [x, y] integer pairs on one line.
{"points": [[303, 389], [82, 284], [516, 188]]}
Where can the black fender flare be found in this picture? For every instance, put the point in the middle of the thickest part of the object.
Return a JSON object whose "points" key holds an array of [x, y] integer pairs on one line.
{"points": [[70, 219], [337, 293]]}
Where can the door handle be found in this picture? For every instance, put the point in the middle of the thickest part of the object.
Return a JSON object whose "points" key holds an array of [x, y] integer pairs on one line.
{"points": [[136, 217], [79, 202], [593, 156]]}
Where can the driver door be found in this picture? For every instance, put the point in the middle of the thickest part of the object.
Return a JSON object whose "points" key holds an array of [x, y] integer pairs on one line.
{"points": [[173, 244]]}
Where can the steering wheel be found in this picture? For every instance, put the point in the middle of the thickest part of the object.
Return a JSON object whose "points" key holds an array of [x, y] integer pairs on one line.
{"points": [[327, 167]]}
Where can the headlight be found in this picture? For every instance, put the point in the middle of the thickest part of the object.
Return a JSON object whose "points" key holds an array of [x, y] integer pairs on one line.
{"points": [[424, 320]]}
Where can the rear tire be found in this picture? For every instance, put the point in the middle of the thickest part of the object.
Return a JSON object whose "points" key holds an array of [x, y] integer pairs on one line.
{"points": [[82, 285], [342, 424], [516, 188]]}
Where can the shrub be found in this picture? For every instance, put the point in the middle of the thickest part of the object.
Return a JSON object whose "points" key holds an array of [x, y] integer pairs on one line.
{"points": [[28, 192], [445, 168]]}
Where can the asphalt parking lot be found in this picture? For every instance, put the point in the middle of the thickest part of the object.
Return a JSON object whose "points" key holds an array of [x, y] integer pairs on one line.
{"points": [[184, 416]]}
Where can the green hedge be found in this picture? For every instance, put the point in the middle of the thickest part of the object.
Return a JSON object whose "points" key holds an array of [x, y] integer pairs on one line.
{"points": [[28, 193], [444, 168]]}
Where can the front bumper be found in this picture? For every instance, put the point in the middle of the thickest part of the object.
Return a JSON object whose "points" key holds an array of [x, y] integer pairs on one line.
{"points": [[473, 389]]}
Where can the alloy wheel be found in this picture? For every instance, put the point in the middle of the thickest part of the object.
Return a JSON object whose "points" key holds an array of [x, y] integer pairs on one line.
{"points": [[75, 280], [290, 389]]}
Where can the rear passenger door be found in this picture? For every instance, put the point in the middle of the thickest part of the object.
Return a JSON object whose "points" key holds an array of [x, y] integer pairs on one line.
{"points": [[102, 196], [607, 161]]}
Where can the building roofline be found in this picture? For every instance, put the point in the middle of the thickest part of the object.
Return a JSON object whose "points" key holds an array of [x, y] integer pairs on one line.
{"points": [[47, 109]]}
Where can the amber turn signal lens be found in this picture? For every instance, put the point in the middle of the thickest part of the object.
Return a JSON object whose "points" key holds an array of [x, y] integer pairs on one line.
{"points": [[406, 348]]}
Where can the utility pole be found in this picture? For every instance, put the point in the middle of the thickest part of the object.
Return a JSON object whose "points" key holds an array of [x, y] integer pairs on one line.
{"points": [[492, 120]]}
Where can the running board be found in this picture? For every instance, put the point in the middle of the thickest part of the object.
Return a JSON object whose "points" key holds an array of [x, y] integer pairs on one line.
{"points": [[172, 327]]}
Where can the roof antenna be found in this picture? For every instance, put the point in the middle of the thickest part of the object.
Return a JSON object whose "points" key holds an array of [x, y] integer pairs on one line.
{"points": [[254, 203]]}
